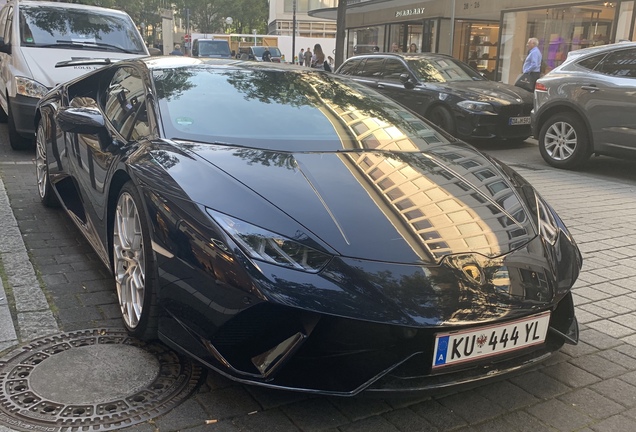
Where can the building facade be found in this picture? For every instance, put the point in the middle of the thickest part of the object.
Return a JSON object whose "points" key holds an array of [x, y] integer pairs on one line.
{"points": [[489, 34], [281, 15]]}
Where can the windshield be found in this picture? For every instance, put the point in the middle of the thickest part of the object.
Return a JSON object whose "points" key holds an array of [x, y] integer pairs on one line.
{"points": [[214, 48], [442, 70], [258, 51], [51, 26], [284, 110]]}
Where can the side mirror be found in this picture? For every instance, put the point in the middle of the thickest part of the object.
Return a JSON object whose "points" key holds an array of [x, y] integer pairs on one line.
{"points": [[406, 80], [83, 116], [5, 48]]}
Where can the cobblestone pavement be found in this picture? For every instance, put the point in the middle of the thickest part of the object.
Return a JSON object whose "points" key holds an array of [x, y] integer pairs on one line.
{"points": [[589, 387]]}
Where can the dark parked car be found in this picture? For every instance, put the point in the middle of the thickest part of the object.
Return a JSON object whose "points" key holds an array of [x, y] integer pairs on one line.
{"points": [[587, 105], [356, 248], [448, 92]]}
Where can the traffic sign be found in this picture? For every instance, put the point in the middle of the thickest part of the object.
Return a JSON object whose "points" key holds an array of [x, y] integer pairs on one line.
{"points": [[187, 38]]}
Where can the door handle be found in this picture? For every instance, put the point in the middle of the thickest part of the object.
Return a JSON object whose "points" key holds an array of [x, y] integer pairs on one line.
{"points": [[591, 88], [381, 86]]}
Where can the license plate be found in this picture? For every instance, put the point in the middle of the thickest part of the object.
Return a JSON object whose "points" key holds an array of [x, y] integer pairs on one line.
{"points": [[513, 121], [467, 345]]}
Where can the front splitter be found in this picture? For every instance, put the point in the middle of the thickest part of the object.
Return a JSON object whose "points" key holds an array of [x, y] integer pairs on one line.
{"points": [[93, 380]]}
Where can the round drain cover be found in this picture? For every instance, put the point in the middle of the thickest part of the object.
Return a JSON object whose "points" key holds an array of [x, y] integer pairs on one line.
{"points": [[93, 380]]}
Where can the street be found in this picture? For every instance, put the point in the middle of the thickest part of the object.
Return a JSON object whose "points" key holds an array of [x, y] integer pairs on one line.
{"points": [[588, 387]]}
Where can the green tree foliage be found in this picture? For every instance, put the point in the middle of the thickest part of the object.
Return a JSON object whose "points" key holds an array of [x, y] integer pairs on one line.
{"points": [[206, 16]]}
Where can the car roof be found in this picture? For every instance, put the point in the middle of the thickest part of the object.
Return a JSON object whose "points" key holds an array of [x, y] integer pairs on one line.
{"points": [[406, 56], [77, 6], [576, 54]]}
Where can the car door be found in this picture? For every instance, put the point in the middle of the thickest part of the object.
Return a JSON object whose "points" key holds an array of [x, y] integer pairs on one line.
{"points": [[390, 84], [124, 105], [369, 71], [611, 101]]}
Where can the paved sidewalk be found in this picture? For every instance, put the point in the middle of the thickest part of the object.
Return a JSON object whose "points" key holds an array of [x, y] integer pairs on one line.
{"points": [[589, 387]]}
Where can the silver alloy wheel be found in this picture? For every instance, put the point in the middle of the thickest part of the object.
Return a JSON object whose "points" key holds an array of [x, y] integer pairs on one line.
{"points": [[129, 260], [41, 171], [560, 141]]}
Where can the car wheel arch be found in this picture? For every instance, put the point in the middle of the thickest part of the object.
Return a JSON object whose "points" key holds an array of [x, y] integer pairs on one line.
{"points": [[559, 108], [449, 110]]}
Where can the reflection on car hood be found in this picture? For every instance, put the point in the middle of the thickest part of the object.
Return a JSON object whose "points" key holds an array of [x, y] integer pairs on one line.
{"points": [[385, 206], [489, 91]]}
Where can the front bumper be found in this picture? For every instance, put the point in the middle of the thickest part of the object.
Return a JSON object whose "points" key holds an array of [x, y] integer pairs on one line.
{"points": [[23, 113], [488, 126]]}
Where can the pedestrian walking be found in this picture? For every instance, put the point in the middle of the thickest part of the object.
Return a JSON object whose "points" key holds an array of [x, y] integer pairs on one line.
{"points": [[301, 57], [395, 48], [308, 56], [412, 48], [531, 66], [267, 55]]}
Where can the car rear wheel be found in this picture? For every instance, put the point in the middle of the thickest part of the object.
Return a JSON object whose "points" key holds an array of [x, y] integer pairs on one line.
{"points": [[564, 141], [17, 141], [133, 265], [45, 188], [443, 118]]}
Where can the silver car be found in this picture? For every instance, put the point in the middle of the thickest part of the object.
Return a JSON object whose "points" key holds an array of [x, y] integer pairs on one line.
{"points": [[587, 105]]}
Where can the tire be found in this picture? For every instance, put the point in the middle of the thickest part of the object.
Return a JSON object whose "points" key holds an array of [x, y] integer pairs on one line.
{"points": [[443, 118], [564, 141], [3, 114], [133, 265], [17, 141], [45, 188]]}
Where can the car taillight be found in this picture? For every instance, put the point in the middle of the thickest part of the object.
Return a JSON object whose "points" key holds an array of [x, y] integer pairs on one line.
{"points": [[540, 86]]}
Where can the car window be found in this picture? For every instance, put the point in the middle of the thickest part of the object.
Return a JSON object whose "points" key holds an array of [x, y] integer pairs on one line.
{"points": [[372, 68], [349, 67], [393, 68], [125, 105], [591, 62], [443, 70], [208, 48], [620, 63]]}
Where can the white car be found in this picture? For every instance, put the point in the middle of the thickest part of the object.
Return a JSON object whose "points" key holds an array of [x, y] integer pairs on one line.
{"points": [[43, 44]]}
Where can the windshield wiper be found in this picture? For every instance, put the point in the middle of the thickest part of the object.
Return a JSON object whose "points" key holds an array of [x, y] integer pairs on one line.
{"points": [[92, 45]]}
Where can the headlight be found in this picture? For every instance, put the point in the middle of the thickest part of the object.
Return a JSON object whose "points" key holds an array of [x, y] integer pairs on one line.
{"points": [[30, 88], [270, 247], [476, 106]]}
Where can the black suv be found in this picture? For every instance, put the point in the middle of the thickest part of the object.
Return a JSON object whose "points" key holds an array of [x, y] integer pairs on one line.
{"points": [[448, 92]]}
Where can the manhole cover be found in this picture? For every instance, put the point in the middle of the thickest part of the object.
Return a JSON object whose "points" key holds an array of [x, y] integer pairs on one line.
{"points": [[92, 380]]}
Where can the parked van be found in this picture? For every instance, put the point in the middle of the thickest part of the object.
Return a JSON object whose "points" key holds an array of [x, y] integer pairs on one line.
{"points": [[211, 48], [43, 44]]}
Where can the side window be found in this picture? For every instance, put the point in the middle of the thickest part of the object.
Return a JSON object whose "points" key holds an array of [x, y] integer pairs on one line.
{"points": [[372, 68], [592, 62], [393, 68], [620, 63], [125, 104], [349, 67]]}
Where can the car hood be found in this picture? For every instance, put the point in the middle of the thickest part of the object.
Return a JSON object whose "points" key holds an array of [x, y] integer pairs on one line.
{"points": [[489, 91], [42, 61], [383, 206]]}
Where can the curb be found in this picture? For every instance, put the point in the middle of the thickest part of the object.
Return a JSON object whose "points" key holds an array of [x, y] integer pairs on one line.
{"points": [[34, 316]]}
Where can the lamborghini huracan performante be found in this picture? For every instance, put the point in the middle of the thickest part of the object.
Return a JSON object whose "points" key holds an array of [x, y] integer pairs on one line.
{"points": [[293, 229]]}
